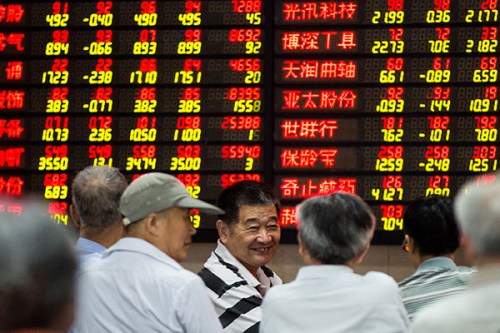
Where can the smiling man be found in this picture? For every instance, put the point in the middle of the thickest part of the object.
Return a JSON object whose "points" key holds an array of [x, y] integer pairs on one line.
{"points": [[235, 274]]}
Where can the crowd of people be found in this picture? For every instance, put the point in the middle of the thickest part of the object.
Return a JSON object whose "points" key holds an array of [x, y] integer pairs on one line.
{"points": [[124, 272]]}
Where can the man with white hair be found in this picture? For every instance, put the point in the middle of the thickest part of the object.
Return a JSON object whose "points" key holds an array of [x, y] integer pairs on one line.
{"points": [[327, 296], [477, 309]]}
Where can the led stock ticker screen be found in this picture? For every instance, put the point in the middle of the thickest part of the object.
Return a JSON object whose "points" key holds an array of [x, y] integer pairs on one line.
{"points": [[389, 99]]}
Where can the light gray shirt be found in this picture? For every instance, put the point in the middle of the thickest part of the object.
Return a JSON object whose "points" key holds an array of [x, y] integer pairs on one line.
{"points": [[477, 309], [332, 298], [136, 287]]}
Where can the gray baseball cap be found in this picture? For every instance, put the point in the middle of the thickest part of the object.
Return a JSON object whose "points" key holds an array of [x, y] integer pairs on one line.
{"points": [[156, 191]]}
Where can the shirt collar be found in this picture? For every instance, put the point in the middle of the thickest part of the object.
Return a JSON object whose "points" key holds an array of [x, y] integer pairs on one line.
{"points": [[436, 263], [86, 246], [314, 271], [138, 245]]}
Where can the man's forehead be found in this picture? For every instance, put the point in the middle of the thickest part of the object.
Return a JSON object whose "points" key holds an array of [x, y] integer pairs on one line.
{"points": [[257, 212]]}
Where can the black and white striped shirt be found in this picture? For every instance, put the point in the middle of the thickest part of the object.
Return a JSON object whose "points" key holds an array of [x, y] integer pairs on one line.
{"points": [[234, 291]]}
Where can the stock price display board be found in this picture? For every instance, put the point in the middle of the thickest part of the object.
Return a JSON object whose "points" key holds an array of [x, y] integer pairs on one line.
{"points": [[389, 99]]}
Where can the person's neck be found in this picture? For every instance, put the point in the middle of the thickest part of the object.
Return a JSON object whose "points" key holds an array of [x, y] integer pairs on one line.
{"points": [[421, 259], [104, 236]]}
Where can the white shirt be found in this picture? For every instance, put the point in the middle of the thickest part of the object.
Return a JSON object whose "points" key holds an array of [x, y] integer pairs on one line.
{"points": [[477, 309], [88, 251], [137, 288], [332, 298]]}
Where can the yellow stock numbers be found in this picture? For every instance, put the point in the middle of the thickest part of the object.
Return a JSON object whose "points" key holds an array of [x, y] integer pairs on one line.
{"points": [[253, 134], [388, 46], [142, 48], [143, 77], [190, 18], [53, 163], [440, 105], [99, 48], [189, 48], [483, 105], [100, 105], [100, 77], [389, 164], [482, 165], [391, 223], [55, 77], [56, 48], [436, 75], [482, 46], [392, 135], [56, 192], [485, 75], [55, 134], [57, 106], [249, 164], [100, 19], [486, 134], [254, 18], [187, 77], [185, 163], [189, 106], [391, 76], [486, 15], [389, 17], [252, 47], [390, 105], [248, 105], [143, 163], [194, 191], [438, 135], [188, 134], [387, 194], [100, 134], [60, 218], [145, 106], [253, 77], [439, 46], [103, 161], [57, 20], [143, 134], [437, 164], [146, 19], [438, 16], [445, 192]]}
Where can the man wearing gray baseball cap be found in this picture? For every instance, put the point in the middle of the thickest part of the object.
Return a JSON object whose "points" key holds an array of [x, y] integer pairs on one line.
{"points": [[139, 285]]}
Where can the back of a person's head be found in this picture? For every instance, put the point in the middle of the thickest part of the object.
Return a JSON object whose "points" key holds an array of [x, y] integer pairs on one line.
{"points": [[245, 193], [37, 272], [96, 192], [431, 224], [335, 228], [477, 208]]}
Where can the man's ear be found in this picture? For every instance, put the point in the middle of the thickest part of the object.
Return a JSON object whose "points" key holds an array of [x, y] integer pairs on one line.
{"points": [[223, 230], [302, 250], [411, 244], [359, 258], [151, 224], [74, 216]]}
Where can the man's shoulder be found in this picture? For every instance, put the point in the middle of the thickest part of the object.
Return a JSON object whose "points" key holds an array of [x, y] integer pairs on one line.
{"points": [[439, 316]]}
